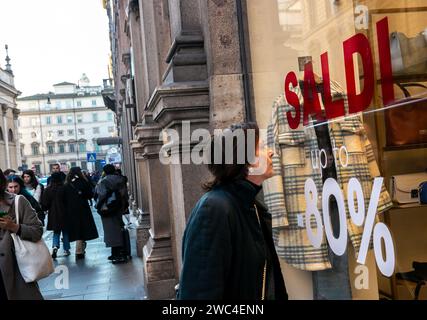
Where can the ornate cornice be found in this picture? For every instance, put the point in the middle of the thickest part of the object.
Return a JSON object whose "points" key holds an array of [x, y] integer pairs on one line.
{"points": [[180, 101]]}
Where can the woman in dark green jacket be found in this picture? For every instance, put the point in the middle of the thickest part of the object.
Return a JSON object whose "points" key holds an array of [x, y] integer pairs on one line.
{"points": [[228, 250]]}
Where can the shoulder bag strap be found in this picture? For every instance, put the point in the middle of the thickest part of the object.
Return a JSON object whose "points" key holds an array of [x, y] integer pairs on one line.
{"points": [[17, 208]]}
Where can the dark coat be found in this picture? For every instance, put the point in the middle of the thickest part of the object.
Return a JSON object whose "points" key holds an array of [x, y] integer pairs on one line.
{"points": [[53, 201], [112, 224], [78, 215], [31, 230], [224, 249]]}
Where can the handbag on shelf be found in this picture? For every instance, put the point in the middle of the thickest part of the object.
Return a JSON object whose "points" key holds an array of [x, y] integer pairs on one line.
{"points": [[405, 187], [408, 55], [33, 258], [406, 123]]}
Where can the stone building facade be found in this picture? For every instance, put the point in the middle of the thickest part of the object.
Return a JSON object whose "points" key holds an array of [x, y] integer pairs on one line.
{"points": [[64, 126], [10, 156], [175, 62]]}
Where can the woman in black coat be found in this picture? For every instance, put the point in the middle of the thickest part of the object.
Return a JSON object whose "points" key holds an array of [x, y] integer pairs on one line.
{"points": [[53, 201], [227, 249], [79, 219]]}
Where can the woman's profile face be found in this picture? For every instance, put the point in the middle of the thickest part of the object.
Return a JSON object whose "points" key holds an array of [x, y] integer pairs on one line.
{"points": [[13, 187], [27, 178], [264, 164]]}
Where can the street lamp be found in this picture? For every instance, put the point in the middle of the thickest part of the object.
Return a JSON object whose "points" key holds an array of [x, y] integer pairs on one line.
{"points": [[42, 148]]}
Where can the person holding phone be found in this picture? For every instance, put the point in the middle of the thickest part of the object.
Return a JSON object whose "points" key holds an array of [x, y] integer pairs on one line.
{"points": [[12, 285]]}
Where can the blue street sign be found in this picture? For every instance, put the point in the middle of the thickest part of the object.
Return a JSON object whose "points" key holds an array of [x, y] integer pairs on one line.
{"points": [[91, 157]]}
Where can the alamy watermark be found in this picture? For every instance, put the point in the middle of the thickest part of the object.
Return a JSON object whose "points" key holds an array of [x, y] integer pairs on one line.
{"points": [[236, 146]]}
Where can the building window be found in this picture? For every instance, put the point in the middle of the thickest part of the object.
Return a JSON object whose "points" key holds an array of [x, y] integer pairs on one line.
{"points": [[50, 135], [83, 165], [109, 116], [59, 119], [110, 129], [79, 103], [94, 117], [72, 147], [48, 120], [33, 135], [69, 118], [68, 103], [58, 104], [70, 132], [82, 146], [10, 136], [79, 118], [50, 148], [73, 164], [61, 148], [95, 130], [35, 149], [60, 133], [93, 103], [81, 131]]}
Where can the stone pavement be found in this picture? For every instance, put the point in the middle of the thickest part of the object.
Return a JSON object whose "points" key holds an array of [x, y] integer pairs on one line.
{"points": [[95, 277]]}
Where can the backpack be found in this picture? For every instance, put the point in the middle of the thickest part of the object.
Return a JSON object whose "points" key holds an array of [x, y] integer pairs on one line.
{"points": [[112, 204]]}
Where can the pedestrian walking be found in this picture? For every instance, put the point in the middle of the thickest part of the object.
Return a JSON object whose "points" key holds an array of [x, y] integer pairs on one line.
{"points": [[227, 248], [112, 186], [78, 217], [32, 185], [16, 185], [12, 285], [57, 168], [53, 202]]}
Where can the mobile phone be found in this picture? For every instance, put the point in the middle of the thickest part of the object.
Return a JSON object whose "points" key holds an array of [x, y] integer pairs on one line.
{"points": [[3, 213]]}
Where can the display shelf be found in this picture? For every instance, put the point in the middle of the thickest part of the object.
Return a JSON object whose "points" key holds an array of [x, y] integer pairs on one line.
{"points": [[406, 147], [408, 206]]}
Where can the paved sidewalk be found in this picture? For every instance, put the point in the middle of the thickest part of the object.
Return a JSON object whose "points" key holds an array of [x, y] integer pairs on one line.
{"points": [[95, 277]]}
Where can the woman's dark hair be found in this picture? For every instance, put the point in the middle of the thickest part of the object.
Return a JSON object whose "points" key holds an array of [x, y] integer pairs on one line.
{"points": [[18, 180], [56, 179], [8, 172], [74, 172], [229, 144], [33, 182], [109, 169], [3, 184]]}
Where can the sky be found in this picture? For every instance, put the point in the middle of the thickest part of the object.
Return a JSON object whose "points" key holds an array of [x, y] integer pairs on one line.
{"points": [[52, 41]]}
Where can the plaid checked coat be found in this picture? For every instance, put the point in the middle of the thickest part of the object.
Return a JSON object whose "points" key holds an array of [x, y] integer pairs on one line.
{"points": [[293, 165]]}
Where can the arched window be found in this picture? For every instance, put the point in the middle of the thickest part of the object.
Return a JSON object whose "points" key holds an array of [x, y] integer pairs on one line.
{"points": [[10, 136], [1, 134], [35, 149]]}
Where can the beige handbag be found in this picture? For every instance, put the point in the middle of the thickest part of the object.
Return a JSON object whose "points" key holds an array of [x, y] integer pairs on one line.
{"points": [[405, 187], [408, 55], [33, 258]]}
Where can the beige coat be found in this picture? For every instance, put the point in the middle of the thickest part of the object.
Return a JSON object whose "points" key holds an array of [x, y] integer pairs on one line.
{"points": [[32, 230]]}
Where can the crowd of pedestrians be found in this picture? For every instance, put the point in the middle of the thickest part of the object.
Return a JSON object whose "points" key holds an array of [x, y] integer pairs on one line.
{"points": [[63, 207]]}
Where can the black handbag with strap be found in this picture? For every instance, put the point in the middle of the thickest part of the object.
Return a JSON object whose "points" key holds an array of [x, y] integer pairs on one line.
{"points": [[418, 276]]}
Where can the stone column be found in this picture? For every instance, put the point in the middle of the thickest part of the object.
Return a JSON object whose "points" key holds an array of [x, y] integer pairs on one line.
{"points": [[16, 113], [159, 273], [141, 207], [221, 34], [4, 109], [138, 57], [182, 107]]}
